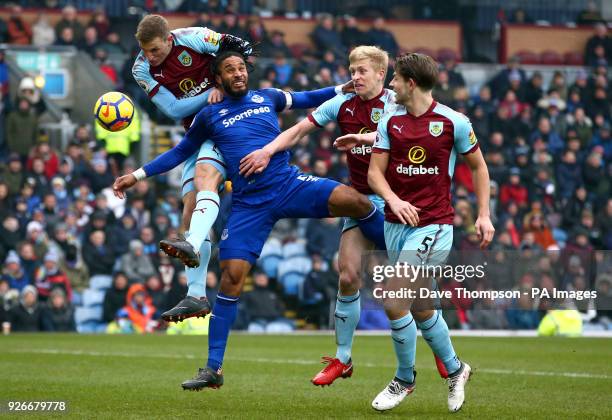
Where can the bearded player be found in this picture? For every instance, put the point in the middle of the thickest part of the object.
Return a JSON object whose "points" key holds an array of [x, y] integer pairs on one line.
{"points": [[411, 169], [357, 115], [243, 122], [173, 68]]}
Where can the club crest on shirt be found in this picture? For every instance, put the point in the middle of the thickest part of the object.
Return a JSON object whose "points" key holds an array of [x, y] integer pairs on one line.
{"points": [[436, 128], [257, 99], [185, 59], [376, 115]]}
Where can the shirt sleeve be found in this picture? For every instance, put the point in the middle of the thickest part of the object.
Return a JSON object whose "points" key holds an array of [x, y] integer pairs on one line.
{"points": [[328, 110], [465, 138], [140, 71], [190, 143], [202, 40], [179, 108], [382, 144]]}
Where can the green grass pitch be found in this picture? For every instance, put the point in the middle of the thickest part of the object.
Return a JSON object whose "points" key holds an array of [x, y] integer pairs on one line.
{"points": [[268, 377]]}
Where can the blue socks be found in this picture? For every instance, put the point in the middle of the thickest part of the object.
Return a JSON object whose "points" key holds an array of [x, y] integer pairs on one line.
{"points": [[348, 310], [435, 333], [404, 334], [373, 227], [203, 217], [221, 320], [196, 277]]}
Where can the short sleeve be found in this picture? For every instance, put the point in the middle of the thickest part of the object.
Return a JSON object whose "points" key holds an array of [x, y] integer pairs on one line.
{"points": [[328, 110], [142, 75], [202, 40], [465, 138], [382, 142]]}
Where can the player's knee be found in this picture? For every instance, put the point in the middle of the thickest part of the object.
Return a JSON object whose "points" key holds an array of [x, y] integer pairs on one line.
{"points": [[207, 178], [364, 205], [422, 316], [348, 280]]}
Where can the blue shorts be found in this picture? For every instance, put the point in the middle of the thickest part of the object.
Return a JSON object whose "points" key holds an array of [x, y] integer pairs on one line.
{"points": [[248, 227], [209, 154], [350, 223], [429, 245]]}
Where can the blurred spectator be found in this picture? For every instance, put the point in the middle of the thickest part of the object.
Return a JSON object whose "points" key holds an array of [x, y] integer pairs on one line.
{"points": [[100, 22], [65, 38], [178, 290], [589, 15], [112, 45], [325, 37], [58, 313], [69, 20], [135, 264], [19, 31], [600, 40], [90, 41], [384, 38], [256, 31], [351, 35], [520, 16], [203, 21], [323, 237], [48, 156], [114, 298], [500, 83], [13, 272], [275, 44], [101, 58], [155, 290], [568, 175], [97, 254], [231, 25], [21, 129], [43, 33], [75, 269], [49, 277], [138, 312], [27, 315], [264, 308], [513, 191]]}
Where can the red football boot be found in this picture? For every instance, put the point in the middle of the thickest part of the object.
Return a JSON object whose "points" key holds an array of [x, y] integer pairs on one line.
{"points": [[335, 369]]}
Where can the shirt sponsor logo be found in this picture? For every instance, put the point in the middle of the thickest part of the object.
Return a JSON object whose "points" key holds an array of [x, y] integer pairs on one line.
{"points": [[189, 88], [362, 150], [436, 128], [246, 114], [257, 99], [417, 155], [185, 59], [376, 115]]}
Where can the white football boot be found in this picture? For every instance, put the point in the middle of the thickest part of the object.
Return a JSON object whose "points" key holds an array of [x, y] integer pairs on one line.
{"points": [[392, 395], [456, 388]]}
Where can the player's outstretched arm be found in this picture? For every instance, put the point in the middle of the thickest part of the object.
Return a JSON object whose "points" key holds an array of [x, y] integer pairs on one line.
{"points": [[480, 176], [166, 161], [313, 98], [348, 141], [180, 108], [257, 161]]}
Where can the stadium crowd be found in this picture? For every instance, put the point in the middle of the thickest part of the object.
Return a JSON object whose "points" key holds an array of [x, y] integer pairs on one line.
{"points": [[548, 148]]}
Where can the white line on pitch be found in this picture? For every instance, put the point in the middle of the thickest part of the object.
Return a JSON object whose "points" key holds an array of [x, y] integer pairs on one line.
{"points": [[303, 362]]}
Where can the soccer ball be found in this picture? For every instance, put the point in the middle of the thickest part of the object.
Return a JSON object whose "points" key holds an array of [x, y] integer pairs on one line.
{"points": [[114, 111]]}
